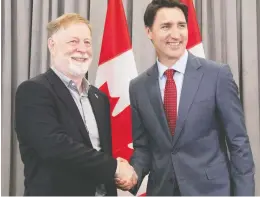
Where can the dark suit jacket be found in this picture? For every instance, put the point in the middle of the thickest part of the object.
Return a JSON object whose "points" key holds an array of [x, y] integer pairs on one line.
{"points": [[55, 146], [210, 123]]}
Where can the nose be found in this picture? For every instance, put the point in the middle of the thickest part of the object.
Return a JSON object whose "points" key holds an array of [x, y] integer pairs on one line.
{"points": [[175, 33]]}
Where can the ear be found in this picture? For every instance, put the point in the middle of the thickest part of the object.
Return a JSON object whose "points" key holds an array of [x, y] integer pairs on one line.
{"points": [[148, 32], [51, 45]]}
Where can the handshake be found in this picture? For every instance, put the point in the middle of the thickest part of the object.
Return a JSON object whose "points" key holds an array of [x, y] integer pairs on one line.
{"points": [[125, 177]]}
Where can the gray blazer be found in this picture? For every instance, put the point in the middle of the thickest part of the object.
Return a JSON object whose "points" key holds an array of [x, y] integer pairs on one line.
{"points": [[209, 153]]}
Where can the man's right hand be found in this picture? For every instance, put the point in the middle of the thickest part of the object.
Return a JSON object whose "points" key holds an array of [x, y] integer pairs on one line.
{"points": [[125, 176]]}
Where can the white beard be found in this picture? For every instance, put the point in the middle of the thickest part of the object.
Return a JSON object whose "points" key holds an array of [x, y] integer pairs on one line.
{"points": [[78, 69]]}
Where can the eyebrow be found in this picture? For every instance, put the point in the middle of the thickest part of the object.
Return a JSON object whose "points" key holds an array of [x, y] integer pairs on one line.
{"points": [[182, 23], [170, 23], [73, 37], [166, 23]]}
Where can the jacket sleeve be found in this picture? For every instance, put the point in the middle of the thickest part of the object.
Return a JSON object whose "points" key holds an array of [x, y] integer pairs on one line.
{"points": [[231, 113], [141, 158], [38, 127]]}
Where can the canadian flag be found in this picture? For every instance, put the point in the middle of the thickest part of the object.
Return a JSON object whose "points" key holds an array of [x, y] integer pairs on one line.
{"points": [[117, 67], [195, 42]]}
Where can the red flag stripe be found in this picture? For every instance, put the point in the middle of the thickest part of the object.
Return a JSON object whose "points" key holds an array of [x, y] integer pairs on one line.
{"points": [[194, 31], [115, 20]]}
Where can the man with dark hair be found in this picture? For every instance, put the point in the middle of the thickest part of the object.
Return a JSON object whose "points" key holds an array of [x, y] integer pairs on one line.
{"points": [[186, 116]]}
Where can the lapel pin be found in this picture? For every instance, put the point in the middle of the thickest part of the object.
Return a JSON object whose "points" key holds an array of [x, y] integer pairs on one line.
{"points": [[96, 96]]}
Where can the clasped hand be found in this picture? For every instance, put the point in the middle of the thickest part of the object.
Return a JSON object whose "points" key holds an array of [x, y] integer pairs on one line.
{"points": [[125, 177]]}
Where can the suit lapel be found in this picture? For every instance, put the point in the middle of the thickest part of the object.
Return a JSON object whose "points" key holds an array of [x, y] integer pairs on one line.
{"points": [[154, 93], [65, 96], [192, 78], [98, 110]]}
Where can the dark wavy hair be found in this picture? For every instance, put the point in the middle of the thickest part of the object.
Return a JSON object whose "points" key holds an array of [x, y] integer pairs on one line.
{"points": [[155, 5]]}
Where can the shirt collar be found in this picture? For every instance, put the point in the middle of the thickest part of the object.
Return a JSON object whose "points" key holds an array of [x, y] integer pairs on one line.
{"points": [[179, 66], [69, 82]]}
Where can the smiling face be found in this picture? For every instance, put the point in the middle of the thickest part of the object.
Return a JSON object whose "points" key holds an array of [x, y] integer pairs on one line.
{"points": [[169, 34], [71, 49]]}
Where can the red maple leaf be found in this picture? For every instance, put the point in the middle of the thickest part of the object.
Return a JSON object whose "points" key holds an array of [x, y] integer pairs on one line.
{"points": [[121, 125]]}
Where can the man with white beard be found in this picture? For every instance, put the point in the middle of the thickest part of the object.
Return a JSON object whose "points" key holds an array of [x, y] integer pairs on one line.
{"points": [[63, 122]]}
